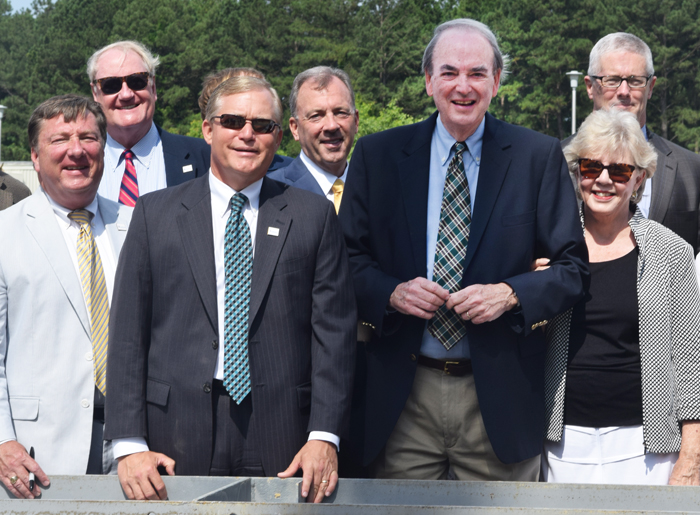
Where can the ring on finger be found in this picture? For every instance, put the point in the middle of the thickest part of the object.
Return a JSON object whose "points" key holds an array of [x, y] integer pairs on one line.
{"points": [[324, 481], [469, 317], [13, 479]]}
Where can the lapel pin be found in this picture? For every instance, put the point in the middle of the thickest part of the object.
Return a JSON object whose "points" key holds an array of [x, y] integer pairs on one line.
{"points": [[273, 231], [121, 227], [187, 168]]}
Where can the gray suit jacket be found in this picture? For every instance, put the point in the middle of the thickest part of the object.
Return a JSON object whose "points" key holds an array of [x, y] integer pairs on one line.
{"points": [[164, 326], [46, 369], [12, 191], [297, 175]]}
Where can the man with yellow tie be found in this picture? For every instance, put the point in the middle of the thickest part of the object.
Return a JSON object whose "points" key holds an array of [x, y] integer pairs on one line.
{"points": [[57, 266], [324, 122]]}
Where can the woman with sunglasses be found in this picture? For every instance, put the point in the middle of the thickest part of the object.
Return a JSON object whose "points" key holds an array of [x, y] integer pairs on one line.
{"points": [[623, 366]]}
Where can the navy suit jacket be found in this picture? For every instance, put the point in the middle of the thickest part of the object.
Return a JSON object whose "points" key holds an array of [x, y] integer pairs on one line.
{"points": [[180, 152], [164, 326], [297, 175], [525, 208], [278, 162]]}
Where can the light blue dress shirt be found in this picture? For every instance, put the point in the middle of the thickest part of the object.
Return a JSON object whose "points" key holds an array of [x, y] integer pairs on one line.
{"points": [[441, 153], [148, 161]]}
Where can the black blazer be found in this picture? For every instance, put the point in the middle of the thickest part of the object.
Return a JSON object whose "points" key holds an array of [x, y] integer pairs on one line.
{"points": [[525, 208], [185, 157], [164, 330]]}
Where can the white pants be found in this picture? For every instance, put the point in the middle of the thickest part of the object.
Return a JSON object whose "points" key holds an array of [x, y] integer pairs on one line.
{"points": [[605, 455]]}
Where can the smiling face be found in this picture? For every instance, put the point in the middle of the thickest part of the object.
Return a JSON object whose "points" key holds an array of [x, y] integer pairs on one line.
{"points": [[462, 82], [621, 64], [607, 200], [326, 124], [129, 113], [69, 160], [241, 157]]}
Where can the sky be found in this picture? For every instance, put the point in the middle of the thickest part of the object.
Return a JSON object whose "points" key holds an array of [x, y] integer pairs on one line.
{"points": [[20, 4]]}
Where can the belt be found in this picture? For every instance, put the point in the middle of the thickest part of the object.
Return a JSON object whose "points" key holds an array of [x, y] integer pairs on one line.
{"points": [[456, 368]]}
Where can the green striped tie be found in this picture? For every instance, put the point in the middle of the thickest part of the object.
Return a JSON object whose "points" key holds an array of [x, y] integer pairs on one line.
{"points": [[95, 290]]}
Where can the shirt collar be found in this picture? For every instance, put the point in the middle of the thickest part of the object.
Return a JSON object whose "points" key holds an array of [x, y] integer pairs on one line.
{"points": [[221, 194], [63, 212], [143, 150], [445, 141], [325, 179]]}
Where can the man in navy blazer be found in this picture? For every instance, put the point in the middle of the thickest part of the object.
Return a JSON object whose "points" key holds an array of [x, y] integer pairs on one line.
{"points": [[123, 82], [324, 122], [471, 403]]}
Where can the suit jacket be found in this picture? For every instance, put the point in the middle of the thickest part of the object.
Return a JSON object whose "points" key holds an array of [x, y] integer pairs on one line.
{"points": [[46, 370], [279, 161], [164, 330], [675, 194], [182, 152], [525, 208], [11, 191], [297, 175]]}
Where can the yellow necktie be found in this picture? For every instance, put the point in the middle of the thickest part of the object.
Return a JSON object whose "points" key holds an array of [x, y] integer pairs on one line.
{"points": [[95, 290], [337, 190]]}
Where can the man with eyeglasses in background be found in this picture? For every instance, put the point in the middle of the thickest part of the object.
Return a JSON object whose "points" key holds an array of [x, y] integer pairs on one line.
{"points": [[140, 157], [621, 76]]}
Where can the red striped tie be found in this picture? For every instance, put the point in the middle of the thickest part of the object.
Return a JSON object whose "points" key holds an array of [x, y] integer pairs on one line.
{"points": [[129, 191]]}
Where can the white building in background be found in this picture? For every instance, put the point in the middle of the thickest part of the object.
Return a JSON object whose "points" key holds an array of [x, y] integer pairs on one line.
{"points": [[22, 171]]}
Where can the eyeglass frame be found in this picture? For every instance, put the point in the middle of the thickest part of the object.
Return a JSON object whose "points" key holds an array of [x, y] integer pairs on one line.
{"points": [[272, 123], [625, 79], [124, 78]]}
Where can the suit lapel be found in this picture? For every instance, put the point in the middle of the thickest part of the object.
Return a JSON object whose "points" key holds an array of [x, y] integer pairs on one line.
{"points": [[495, 162], [268, 246], [414, 179], [115, 225], [174, 157], [301, 177], [665, 177], [195, 225], [41, 223]]}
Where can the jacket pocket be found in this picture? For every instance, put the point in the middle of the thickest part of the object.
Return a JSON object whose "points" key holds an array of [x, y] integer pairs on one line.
{"points": [[304, 395], [157, 392], [24, 408], [521, 219]]}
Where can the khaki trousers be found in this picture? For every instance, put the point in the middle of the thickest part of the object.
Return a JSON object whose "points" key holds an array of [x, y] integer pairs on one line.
{"points": [[440, 431]]}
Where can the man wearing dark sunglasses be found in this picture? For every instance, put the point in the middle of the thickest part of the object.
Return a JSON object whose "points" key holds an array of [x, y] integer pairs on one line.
{"points": [[621, 76], [234, 316], [139, 156]]}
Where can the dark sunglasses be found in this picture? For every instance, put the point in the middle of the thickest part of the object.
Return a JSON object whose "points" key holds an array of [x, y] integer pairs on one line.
{"points": [[618, 172], [112, 85], [235, 122]]}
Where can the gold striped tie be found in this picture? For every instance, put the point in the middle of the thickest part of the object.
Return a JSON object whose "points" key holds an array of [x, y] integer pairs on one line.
{"points": [[337, 190], [95, 290]]}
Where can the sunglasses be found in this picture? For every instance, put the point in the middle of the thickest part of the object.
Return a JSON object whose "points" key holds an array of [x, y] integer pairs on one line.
{"points": [[112, 85], [235, 122], [618, 172]]}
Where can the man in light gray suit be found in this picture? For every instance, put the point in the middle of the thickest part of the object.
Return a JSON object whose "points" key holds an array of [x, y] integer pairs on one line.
{"points": [[57, 267], [621, 76]]}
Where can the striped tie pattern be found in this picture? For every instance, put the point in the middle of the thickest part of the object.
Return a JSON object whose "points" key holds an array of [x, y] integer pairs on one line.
{"points": [[129, 190], [453, 236], [238, 259], [337, 190], [92, 278]]}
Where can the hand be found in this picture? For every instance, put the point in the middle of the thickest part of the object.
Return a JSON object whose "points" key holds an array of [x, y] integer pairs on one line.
{"points": [[418, 297], [482, 302], [319, 461], [686, 471], [138, 474], [539, 264], [15, 461]]}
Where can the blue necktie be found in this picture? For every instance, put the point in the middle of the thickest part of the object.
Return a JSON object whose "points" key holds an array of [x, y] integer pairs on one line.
{"points": [[238, 258]]}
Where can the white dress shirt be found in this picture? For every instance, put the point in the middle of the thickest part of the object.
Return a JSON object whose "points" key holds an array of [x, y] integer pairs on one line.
{"points": [[148, 161], [645, 203], [324, 179]]}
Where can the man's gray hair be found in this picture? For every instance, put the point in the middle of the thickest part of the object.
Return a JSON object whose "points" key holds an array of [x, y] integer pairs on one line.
{"points": [[611, 133], [500, 60], [150, 61], [619, 42], [71, 107], [321, 76], [242, 84]]}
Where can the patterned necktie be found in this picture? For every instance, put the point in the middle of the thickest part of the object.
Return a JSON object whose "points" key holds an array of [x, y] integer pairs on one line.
{"points": [[238, 258], [95, 290], [337, 190], [129, 190], [453, 236]]}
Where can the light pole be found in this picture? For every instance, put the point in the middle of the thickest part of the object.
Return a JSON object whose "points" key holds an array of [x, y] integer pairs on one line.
{"points": [[2, 112], [573, 78]]}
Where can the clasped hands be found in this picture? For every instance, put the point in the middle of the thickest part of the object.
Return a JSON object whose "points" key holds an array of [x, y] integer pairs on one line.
{"points": [[477, 303], [139, 477]]}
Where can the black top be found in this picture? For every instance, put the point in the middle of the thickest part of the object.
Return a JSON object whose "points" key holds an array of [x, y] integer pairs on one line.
{"points": [[604, 377]]}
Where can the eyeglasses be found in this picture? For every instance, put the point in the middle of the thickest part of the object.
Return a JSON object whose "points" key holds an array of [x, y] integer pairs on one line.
{"points": [[618, 172], [112, 85], [614, 82], [235, 122]]}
